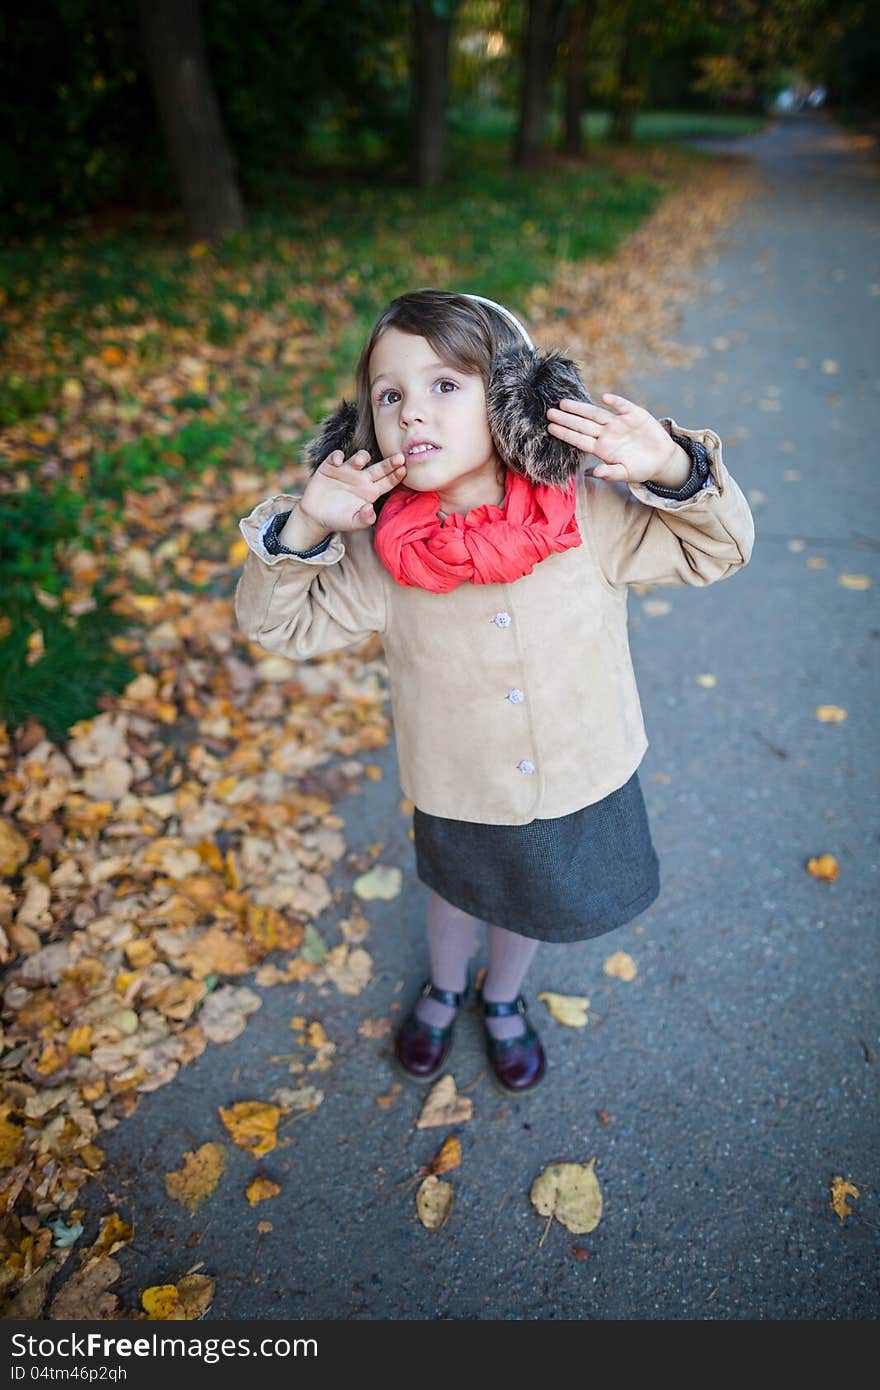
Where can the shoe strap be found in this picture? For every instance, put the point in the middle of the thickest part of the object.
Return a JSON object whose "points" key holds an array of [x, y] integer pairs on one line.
{"points": [[445, 996], [498, 1010]]}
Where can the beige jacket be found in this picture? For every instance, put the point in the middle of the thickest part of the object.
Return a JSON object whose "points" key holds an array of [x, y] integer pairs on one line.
{"points": [[515, 701]]}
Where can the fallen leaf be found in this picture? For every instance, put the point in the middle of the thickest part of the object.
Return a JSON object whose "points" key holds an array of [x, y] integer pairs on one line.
{"points": [[854, 581], [114, 1233], [570, 1009], [620, 965], [707, 680], [253, 1125], [382, 881], [444, 1106], [830, 714], [261, 1189], [197, 1180], [447, 1157], [14, 849], [840, 1190], [84, 1296], [223, 1016], [195, 1292], [434, 1203], [824, 867], [349, 968], [161, 1302], [571, 1193], [375, 1028], [390, 1096]]}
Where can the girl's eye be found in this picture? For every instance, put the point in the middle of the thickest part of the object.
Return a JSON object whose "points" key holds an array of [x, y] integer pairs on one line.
{"points": [[443, 381]]}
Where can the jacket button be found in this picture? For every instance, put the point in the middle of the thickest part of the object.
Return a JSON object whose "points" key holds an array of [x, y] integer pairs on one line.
{"points": [[526, 766], [502, 619], [515, 697]]}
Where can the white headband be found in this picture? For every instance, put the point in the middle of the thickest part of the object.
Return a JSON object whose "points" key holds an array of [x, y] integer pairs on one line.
{"points": [[506, 313]]}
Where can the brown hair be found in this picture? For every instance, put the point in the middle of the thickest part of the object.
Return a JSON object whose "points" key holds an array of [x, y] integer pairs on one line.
{"points": [[463, 332]]}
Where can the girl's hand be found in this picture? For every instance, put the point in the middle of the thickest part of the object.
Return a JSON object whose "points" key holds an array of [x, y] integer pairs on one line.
{"points": [[633, 446], [340, 493]]}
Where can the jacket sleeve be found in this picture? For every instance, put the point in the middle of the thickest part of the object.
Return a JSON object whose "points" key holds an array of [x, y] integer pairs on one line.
{"points": [[301, 606], [640, 538]]}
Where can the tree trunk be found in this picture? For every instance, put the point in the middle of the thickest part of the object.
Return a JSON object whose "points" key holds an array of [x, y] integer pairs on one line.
{"points": [[431, 36], [581, 18], [174, 47], [544, 29], [627, 96]]}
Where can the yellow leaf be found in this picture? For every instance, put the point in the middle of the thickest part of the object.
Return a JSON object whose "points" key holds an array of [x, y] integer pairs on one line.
{"points": [[72, 391], [840, 1190], [14, 849], [447, 1157], [854, 581], [11, 1138], [162, 1301], [36, 647], [621, 965], [824, 867], [707, 680], [830, 714], [571, 1193], [198, 1178], [570, 1009], [253, 1125], [260, 1189], [829, 366], [434, 1203], [114, 1233], [80, 1040]]}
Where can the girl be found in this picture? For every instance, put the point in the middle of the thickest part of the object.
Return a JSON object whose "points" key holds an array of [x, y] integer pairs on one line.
{"points": [[450, 511]]}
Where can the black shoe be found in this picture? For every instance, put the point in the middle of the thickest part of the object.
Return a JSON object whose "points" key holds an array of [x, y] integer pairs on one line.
{"points": [[518, 1064], [421, 1050]]}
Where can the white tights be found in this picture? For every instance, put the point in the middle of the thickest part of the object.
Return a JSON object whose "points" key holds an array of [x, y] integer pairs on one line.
{"points": [[452, 941]]}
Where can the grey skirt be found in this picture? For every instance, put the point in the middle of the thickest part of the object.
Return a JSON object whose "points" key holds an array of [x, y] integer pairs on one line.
{"points": [[564, 879]]}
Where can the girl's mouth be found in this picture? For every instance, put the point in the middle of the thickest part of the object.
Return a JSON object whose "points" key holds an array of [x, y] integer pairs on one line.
{"points": [[420, 451]]}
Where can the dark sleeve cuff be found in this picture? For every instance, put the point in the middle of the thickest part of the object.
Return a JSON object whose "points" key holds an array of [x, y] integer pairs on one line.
{"points": [[274, 546], [700, 473]]}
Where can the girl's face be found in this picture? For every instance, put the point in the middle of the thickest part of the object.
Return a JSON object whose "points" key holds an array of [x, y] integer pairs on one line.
{"points": [[415, 399]]}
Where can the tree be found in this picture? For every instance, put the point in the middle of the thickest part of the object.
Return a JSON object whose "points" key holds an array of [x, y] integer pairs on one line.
{"points": [[580, 20], [432, 30], [174, 48], [545, 26]]}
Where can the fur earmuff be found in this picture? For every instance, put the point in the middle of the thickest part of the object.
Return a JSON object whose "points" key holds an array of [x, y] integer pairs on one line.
{"points": [[336, 432], [523, 385]]}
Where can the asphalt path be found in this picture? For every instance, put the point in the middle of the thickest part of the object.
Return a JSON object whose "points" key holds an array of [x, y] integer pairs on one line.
{"points": [[738, 1070]]}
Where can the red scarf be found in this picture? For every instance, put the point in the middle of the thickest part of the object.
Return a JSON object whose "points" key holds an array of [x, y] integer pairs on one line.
{"points": [[487, 545]]}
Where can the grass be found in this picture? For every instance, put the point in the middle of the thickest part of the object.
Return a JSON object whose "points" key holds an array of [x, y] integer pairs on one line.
{"points": [[78, 295]]}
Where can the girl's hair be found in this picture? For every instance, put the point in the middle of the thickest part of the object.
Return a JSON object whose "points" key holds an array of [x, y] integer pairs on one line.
{"points": [[463, 332]]}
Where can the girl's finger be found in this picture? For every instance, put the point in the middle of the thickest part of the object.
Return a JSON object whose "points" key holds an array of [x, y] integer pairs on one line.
{"points": [[582, 409], [582, 438], [618, 400], [360, 459]]}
